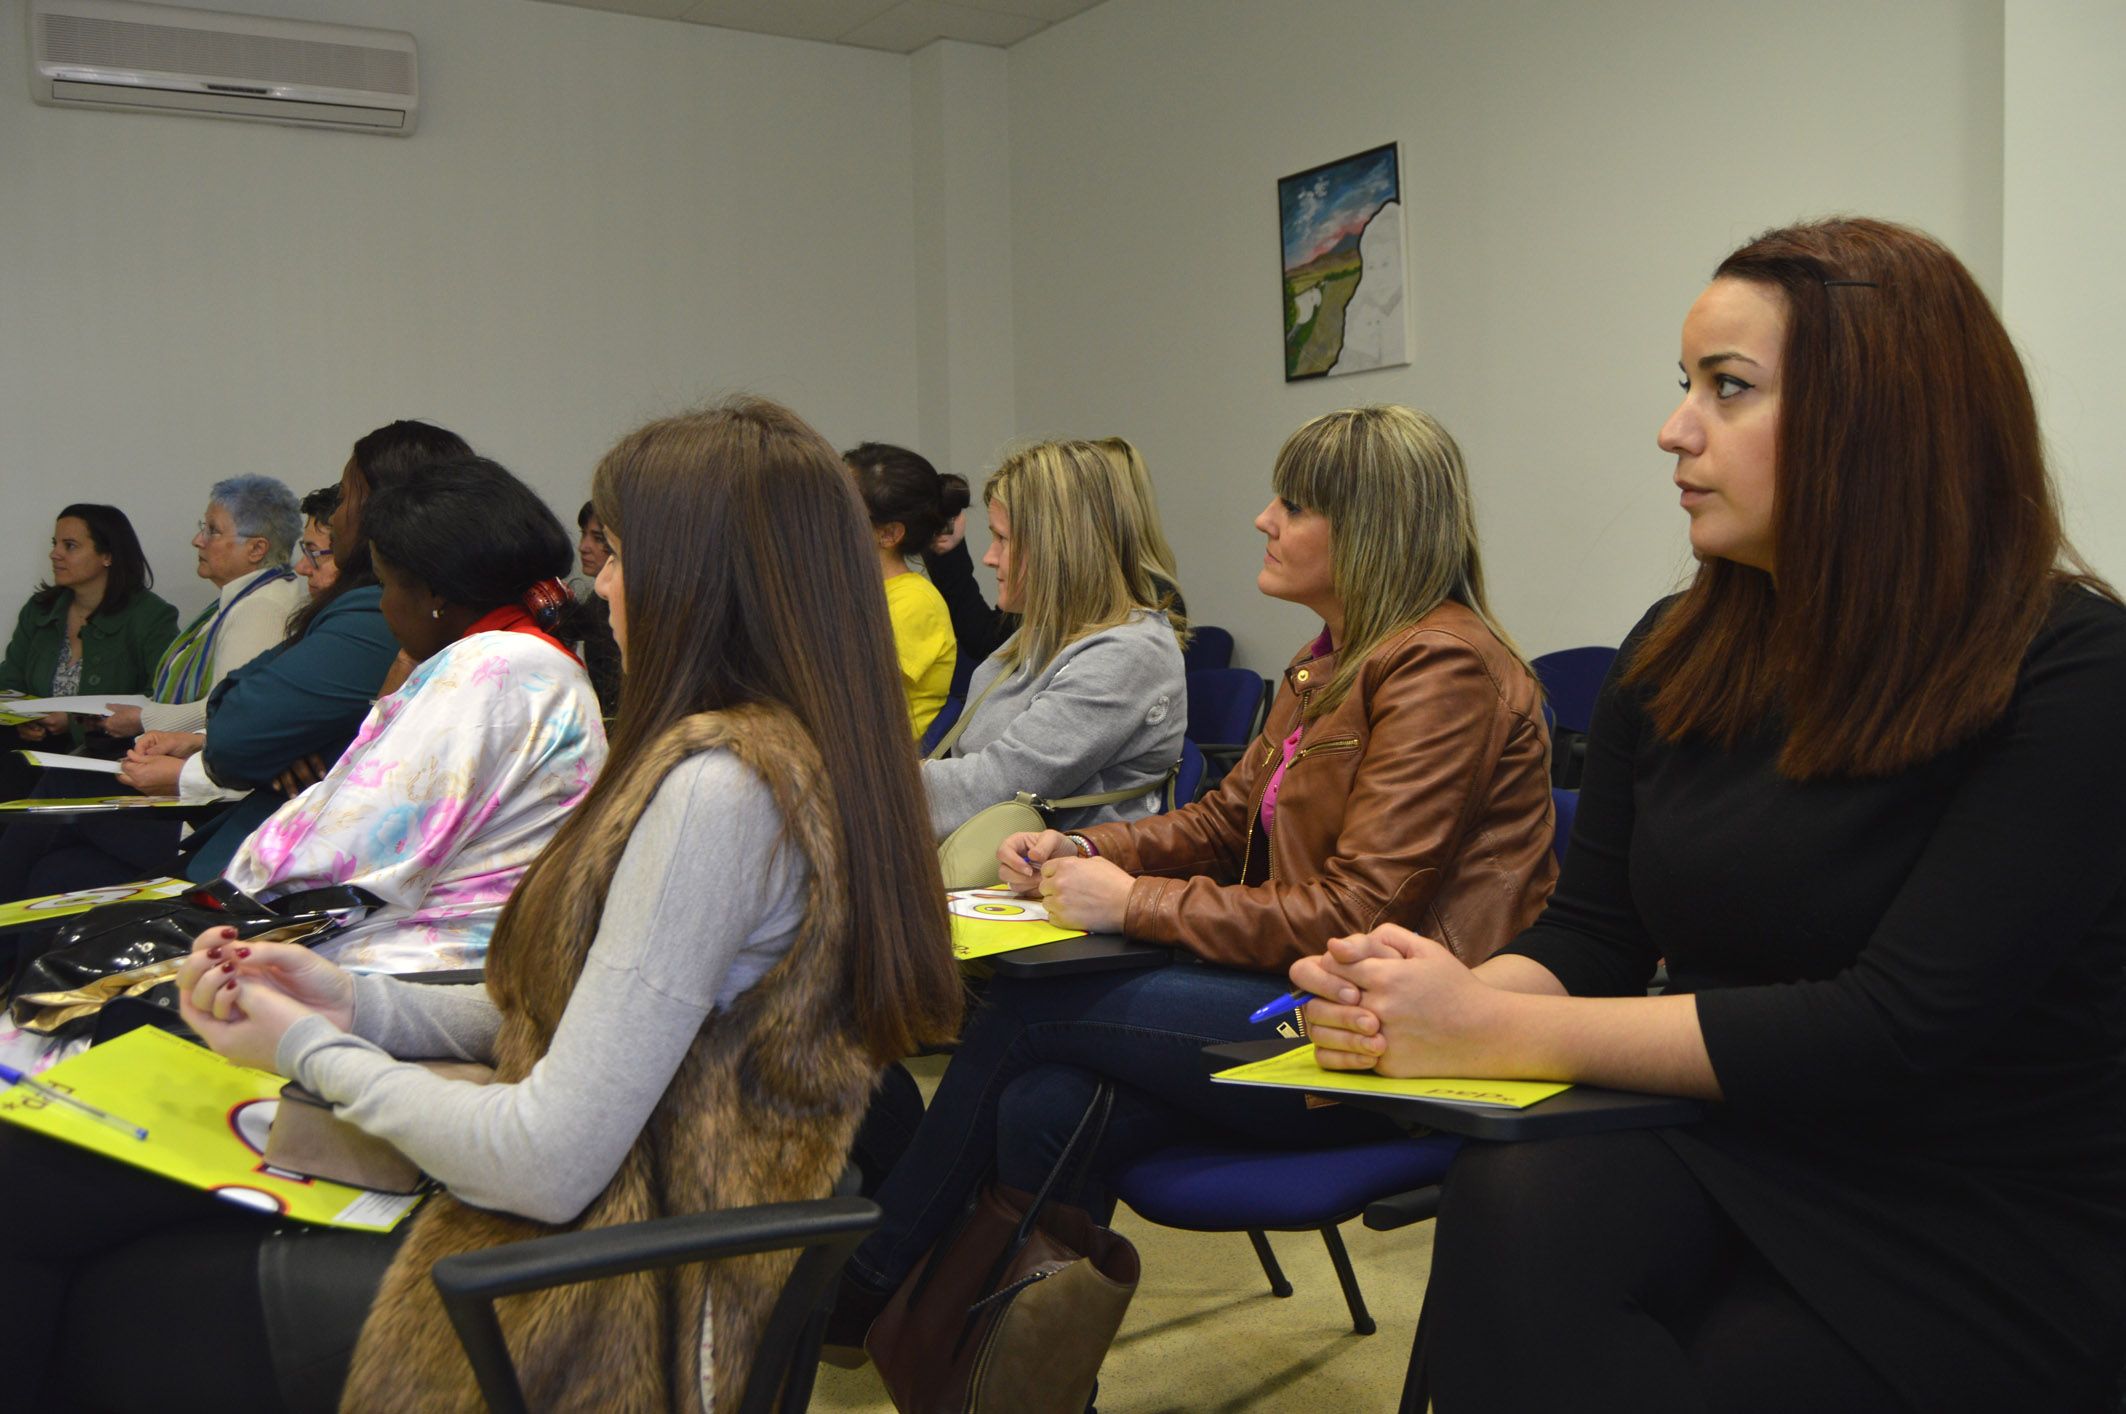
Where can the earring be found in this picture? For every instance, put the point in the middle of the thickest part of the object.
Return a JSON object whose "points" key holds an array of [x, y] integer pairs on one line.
{"points": [[435, 613]]}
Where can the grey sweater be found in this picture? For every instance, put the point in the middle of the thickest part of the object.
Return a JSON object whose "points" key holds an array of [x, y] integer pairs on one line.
{"points": [[1106, 714], [705, 899]]}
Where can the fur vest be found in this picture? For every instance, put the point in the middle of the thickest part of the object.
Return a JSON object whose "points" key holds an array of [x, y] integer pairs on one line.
{"points": [[762, 1110]]}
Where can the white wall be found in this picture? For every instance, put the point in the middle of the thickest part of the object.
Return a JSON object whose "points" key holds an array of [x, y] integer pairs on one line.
{"points": [[963, 260], [1572, 173], [601, 218], [2065, 277]]}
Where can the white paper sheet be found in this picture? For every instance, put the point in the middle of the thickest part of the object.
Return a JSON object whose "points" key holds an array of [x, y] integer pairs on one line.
{"points": [[57, 762], [97, 705]]}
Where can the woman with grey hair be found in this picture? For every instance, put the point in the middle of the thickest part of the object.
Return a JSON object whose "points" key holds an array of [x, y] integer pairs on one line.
{"points": [[244, 542]]}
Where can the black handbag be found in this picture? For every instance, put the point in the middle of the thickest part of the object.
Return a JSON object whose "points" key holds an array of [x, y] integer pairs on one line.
{"points": [[132, 950]]}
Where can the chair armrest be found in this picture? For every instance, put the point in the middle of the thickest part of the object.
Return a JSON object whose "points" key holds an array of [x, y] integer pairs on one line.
{"points": [[592, 1254], [1402, 1209], [465, 977], [828, 1228]]}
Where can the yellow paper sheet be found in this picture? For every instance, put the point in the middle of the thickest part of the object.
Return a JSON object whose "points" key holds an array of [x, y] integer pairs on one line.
{"points": [[1296, 1069], [206, 1120], [989, 921], [37, 910]]}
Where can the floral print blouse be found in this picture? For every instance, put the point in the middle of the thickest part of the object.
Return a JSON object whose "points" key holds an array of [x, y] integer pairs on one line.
{"points": [[451, 787]]}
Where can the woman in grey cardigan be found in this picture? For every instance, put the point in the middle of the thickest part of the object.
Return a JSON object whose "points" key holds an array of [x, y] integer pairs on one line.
{"points": [[1087, 698]]}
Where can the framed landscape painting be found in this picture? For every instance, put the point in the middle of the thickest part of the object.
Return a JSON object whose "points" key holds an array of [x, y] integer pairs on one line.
{"points": [[1342, 223]]}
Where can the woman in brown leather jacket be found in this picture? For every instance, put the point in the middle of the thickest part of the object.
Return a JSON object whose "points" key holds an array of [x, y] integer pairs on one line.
{"points": [[1403, 777]]}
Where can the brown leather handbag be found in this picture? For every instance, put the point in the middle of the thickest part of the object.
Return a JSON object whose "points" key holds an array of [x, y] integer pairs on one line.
{"points": [[1014, 1308]]}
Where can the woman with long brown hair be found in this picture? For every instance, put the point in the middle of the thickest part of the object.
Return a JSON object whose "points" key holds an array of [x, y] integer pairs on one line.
{"points": [[1857, 786], [690, 995]]}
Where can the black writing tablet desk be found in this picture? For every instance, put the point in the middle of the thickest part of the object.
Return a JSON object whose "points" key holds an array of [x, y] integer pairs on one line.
{"points": [[1069, 957], [1581, 1110]]}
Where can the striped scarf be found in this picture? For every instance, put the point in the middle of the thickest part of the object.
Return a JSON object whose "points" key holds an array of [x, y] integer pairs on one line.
{"points": [[187, 665]]}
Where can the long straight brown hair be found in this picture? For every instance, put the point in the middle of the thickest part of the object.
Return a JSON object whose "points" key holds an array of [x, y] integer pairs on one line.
{"points": [[749, 576], [1917, 538]]}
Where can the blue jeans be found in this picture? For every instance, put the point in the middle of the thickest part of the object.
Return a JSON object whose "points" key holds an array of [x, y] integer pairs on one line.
{"points": [[1027, 1069]]}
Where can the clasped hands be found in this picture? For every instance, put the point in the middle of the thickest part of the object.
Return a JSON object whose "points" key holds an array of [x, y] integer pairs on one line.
{"points": [[1092, 894], [1398, 1004], [158, 759], [242, 997]]}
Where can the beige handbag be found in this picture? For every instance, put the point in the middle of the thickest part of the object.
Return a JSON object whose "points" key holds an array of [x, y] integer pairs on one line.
{"points": [[968, 856], [309, 1139]]}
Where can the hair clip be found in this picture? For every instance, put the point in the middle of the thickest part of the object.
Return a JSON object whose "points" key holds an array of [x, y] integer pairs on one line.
{"points": [[1865, 284]]}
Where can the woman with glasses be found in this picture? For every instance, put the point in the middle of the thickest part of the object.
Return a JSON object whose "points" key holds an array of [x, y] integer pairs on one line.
{"points": [[313, 553], [243, 543]]}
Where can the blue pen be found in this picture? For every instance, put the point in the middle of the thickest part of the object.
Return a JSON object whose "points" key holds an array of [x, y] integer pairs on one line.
{"points": [[1288, 1002], [15, 1077]]}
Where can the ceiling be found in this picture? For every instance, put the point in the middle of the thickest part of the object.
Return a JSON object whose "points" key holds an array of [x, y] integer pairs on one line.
{"points": [[898, 26]]}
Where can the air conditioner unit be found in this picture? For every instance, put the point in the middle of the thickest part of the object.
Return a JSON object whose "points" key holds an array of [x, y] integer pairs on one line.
{"points": [[139, 57]]}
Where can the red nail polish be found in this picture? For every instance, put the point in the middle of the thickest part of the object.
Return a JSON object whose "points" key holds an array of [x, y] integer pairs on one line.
{"points": [[243, 952], [214, 953], [229, 986], [228, 932], [228, 967]]}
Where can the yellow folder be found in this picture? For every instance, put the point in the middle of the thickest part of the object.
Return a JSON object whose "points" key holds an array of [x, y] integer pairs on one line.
{"points": [[1296, 1069], [206, 1119]]}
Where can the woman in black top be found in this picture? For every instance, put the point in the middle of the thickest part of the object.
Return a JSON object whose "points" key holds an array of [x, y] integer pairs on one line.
{"points": [[1859, 786]]}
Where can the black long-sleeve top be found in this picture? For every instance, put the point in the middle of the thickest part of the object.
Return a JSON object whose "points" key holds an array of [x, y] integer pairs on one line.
{"points": [[1913, 993]]}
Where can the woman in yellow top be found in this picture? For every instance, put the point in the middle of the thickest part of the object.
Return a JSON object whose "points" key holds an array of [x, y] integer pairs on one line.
{"points": [[910, 505]]}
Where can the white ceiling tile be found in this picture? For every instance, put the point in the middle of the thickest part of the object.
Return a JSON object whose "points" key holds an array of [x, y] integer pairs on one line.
{"points": [[655, 9], [799, 19], [1049, 10], [912, 24]]}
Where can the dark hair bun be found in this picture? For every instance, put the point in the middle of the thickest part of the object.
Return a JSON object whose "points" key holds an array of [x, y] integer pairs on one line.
{"points": [[953, 496]]}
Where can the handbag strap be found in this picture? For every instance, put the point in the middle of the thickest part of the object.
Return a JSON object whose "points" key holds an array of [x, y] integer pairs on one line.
{"points": [[1077, 1155], [951, 737]]}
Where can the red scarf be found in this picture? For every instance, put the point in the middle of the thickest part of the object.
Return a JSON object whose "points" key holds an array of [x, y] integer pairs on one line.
{"points": [[511, 618]]}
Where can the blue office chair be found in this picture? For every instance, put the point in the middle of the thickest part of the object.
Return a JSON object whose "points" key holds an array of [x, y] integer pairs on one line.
{"points": [[1236, 1188], [1208, 648], [1567, 805], [1187, 784], [1571, 678], [1225, 707], [941, 723]]}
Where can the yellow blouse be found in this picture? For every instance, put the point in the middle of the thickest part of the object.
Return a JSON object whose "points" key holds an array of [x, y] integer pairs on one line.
{"points": [[922, 635]]}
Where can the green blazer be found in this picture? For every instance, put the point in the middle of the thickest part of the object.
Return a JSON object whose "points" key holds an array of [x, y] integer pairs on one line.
{"points": [[119, 650]]}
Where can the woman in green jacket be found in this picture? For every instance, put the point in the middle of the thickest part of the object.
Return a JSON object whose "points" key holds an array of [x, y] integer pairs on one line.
{"points": [[96, 629]]}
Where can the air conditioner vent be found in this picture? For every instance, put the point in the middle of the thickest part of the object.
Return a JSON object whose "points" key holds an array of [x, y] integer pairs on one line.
{"points": [[169, 49], [132, 56]]}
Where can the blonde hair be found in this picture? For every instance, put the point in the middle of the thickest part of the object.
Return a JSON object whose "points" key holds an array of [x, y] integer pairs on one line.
{"points": [[1402, 527], [1133, 492], [1077, 553]]}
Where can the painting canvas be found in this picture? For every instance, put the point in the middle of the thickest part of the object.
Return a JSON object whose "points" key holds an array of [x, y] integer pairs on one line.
{"points": [[1343, 266]]}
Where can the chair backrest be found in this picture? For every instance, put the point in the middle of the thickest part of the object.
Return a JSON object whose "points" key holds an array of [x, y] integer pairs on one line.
{"points": [[1571, 678], [941, 723], [1224, 706], [1566, 804], [1188, 779], [1207, 648]]}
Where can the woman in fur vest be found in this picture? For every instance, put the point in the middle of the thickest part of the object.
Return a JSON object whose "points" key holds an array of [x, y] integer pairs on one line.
{"points": [[691, 994]]}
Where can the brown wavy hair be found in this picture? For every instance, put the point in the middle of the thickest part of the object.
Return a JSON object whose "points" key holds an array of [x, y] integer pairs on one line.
{"points": [[1917, 535], [748, 575]]}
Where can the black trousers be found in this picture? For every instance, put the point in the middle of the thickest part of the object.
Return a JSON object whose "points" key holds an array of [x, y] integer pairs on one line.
{"points": [[1595, 1274], [122, 1290]]}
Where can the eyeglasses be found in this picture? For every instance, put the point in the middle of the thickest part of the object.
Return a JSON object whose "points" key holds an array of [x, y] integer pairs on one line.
{"points": [[312, 556]]}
